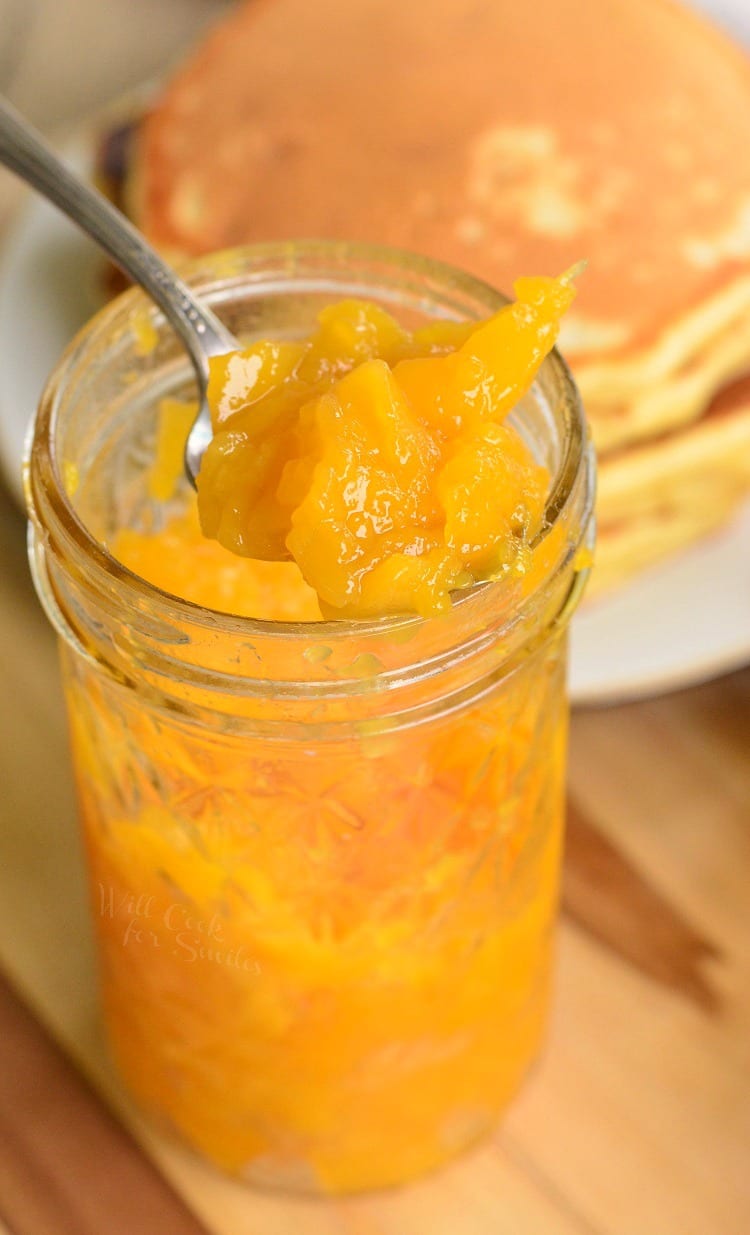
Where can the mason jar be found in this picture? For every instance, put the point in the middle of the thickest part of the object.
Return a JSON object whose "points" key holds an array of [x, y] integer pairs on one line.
{"points": [[323, 856]]}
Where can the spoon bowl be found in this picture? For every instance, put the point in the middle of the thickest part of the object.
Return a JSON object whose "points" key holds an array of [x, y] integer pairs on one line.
{"points": [[25, 152]]}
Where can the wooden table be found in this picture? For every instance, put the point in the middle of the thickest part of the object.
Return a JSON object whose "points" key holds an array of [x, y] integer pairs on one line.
{"points": [[636, 1123]]}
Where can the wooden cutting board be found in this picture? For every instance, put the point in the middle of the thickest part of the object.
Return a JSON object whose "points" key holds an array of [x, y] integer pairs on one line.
{"points": [[637, 1122]]}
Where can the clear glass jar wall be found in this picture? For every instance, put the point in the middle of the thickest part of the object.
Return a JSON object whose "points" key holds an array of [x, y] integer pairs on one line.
{"points": [[324, 857]]}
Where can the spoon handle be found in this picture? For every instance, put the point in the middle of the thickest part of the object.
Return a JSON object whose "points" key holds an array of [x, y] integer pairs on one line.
{"points": [[24, 151]]}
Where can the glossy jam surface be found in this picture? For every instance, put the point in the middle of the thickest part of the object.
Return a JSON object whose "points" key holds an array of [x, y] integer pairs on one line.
{"points": [[325, 947], [380, 461], [182, 561]]}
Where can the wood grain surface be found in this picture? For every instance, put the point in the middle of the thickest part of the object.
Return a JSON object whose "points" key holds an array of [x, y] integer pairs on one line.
{"points": [[637, 1121], [52, 1128]]}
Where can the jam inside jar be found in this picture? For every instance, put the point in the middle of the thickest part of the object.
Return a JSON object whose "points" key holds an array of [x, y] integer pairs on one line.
{"points": [[324, 855]]}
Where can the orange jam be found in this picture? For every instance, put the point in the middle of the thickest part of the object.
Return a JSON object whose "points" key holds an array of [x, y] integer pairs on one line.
{"points": [[384, 470], [326, 957]]}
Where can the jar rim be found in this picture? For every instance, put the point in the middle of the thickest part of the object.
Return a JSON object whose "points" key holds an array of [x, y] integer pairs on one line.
{"points": [[49, 504]]}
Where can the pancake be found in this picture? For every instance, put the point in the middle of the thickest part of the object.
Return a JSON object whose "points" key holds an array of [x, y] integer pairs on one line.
{"points": [[499, 136], [662, 495]]}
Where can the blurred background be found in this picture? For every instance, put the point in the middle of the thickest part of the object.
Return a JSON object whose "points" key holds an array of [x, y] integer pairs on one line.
{"points": [[59, 59], [132, 42]]}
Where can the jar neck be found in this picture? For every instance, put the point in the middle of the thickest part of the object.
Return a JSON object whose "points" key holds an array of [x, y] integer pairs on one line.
{"points": [[279, 679]]}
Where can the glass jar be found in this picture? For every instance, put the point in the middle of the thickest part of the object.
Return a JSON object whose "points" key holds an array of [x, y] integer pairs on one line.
{"points": [[324, 857]]}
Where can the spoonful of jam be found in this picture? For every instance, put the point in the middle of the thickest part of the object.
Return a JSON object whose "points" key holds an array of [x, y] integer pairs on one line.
{"points": [[380, 461]]}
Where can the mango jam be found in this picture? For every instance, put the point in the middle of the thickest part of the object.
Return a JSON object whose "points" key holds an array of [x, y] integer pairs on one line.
{"points": [[384, 469], [326, 945], [326, 964]]}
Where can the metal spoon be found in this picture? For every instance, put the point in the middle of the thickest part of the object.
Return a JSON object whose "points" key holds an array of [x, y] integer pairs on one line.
{"points": [[25, 152]]}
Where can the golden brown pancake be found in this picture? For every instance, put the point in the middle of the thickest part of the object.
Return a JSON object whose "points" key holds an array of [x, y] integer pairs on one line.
{"points": [[501, 136], [663, 494]]}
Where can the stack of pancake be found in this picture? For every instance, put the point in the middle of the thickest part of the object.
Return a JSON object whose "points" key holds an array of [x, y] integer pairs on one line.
{"points": [[506, 138]]}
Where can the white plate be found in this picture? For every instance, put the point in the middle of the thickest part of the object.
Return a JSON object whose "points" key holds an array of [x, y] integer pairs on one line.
{"points": [[679, 624]]}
